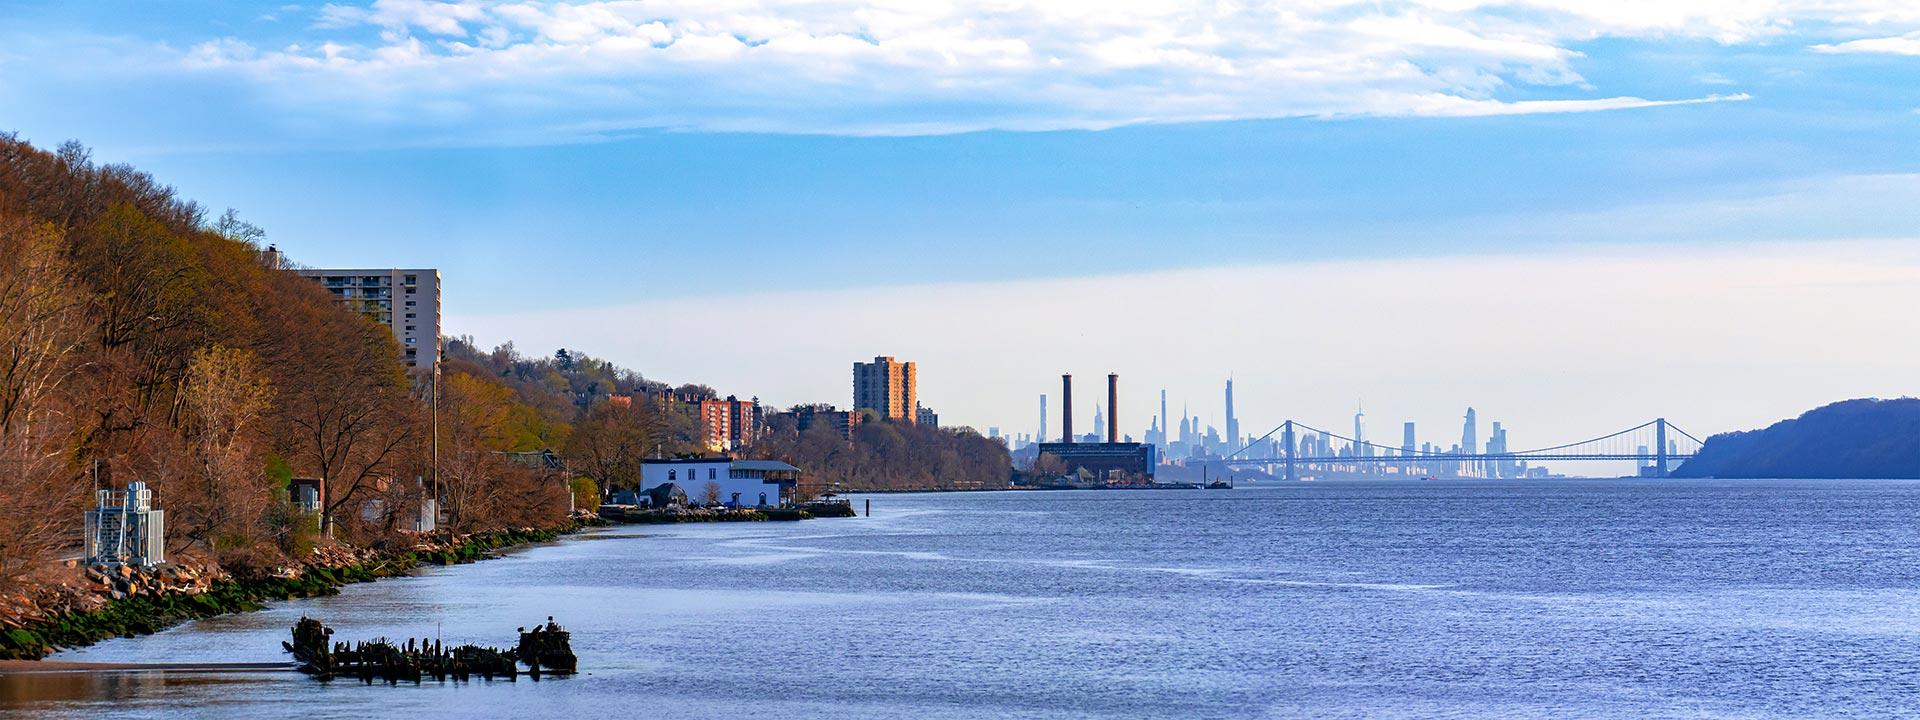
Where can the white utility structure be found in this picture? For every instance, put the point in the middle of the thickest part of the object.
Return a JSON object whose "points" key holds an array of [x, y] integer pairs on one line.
{"points": [[125, 529]]}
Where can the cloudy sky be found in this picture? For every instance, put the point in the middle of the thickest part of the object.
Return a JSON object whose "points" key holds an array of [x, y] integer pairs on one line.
{"points": [[1573, 215]]}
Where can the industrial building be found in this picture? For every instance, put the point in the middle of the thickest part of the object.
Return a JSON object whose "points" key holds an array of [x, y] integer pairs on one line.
{"points": [[1111, 461]]}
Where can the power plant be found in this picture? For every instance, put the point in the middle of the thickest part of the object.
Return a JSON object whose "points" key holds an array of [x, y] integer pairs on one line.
{"points": [[1111, 462]]}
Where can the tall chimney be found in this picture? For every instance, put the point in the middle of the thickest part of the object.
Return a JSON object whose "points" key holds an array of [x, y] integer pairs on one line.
{"points": [[1066, 408], [1113, 407]]}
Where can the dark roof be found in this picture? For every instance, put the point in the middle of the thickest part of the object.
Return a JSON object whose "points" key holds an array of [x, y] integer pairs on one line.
{"points": [[766, 465]]}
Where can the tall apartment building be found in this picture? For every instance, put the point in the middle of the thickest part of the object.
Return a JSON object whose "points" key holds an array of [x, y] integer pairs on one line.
{"points": [[408, 301], [886, 387], [728, 424], [840, 421]]}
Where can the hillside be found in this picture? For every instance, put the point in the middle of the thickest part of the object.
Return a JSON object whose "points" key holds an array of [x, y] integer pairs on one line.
{"points": [[1850, 439]]}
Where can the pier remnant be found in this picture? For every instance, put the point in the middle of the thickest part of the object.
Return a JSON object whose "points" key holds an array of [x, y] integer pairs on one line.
{"points": [[547, 648]]}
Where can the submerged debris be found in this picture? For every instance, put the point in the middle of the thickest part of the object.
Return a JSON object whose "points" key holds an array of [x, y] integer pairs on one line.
{"points": [[547, 647]]}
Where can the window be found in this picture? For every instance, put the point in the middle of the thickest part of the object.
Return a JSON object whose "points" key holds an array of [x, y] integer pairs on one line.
{"points": [[411, 279], [409, 291], [710, 474], [410, 316], [671, 473], [411, 328], [409, 303], [412, 341]]}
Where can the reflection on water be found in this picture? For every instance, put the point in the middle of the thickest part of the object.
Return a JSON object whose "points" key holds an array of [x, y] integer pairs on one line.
{"points": [[1465, 599], [119, 687]]}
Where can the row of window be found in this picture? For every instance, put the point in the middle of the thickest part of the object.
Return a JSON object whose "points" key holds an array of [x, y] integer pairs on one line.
{"points": [[712, 474]]}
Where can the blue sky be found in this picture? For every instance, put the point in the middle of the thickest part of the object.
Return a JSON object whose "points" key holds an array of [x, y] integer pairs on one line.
{"points": [[591, 161]]}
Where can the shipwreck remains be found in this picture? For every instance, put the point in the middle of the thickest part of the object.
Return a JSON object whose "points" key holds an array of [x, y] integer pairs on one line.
{"points": [[547, 648]]}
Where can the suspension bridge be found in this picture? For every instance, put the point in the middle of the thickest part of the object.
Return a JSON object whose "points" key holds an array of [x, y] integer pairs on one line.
{"points": [[1655, 445]]}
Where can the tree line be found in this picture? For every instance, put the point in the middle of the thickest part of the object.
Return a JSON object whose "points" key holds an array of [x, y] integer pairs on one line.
{"points": [[886, 455], [141, 340]]}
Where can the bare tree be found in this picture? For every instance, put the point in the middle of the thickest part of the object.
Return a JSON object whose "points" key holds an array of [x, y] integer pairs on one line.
{"points": [[225, 399], [345, 410], [40, 349]]}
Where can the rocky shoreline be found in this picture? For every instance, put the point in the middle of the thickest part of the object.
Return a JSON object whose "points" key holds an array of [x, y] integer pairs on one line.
{"points": [[125, 601]]}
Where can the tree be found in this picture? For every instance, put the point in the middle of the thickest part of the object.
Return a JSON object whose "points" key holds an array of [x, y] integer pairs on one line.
{"points": [[345, 410], [710, 494], [226, 501], [610, 443], [40, 349], [474, 414]]}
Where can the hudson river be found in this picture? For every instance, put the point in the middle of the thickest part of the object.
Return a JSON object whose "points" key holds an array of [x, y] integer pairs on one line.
{"points": [[1408, 599]]}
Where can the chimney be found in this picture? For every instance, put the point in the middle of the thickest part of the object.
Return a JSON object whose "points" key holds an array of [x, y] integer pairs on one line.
{"points": [[1066, 408], [1113, 408]]}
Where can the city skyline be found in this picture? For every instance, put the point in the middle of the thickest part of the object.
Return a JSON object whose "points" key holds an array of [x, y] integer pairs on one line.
{"points": [[1573, 215], [1757, 316]]}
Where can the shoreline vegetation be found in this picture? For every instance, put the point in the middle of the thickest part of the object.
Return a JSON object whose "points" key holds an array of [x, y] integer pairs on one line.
{"points": [[150, 340], [159, 608]]}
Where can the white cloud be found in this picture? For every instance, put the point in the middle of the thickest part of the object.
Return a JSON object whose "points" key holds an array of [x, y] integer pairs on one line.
{"points": [[539, 68], [1908, 44]]}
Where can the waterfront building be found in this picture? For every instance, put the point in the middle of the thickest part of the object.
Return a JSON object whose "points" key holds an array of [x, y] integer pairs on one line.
{"points": [[125, 529], [724, 481], [407, 301], [887, 387]]}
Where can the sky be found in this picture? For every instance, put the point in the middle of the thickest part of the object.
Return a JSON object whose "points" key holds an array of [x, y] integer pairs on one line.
{"points": [[1573, 216]]}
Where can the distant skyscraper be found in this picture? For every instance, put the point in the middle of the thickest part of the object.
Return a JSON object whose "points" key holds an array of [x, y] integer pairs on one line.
{"points": [[1163, 420], [1360, 446], [1043, 417], [1099, 424], [1406, 438], [1233, 422], [1470, 441]]}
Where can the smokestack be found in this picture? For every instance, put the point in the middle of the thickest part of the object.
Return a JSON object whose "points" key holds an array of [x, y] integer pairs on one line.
{"points": [[1066, 408], [1113, 407]]}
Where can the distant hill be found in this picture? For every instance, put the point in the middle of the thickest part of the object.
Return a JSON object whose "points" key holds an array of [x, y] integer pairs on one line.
{"points": [[1848, 439]]}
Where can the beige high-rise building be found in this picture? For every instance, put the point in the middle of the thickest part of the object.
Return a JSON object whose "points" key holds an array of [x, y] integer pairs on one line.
{"points": [[886, 387], [408, 301]]}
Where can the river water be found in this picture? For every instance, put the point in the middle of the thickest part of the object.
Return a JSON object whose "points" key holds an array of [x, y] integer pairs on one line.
{"points": [[1403, 599]]}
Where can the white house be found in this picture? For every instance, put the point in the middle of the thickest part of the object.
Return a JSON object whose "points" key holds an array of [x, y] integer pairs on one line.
{"points": [[738, 483]]}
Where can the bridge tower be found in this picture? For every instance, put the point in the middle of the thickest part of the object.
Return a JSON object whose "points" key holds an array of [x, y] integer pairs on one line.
{"points": [[1660, 453], [1286, 439]]}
